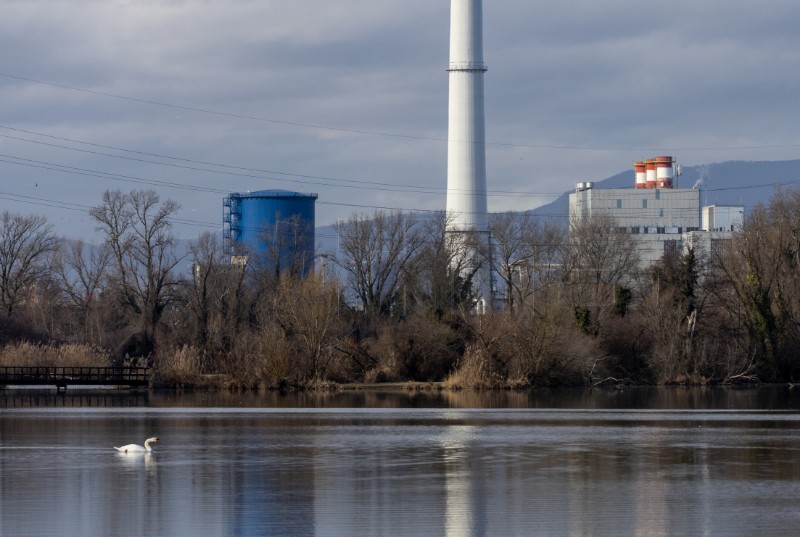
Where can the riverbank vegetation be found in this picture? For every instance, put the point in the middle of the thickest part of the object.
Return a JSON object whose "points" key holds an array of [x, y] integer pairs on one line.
{"points": [[397, 303]]}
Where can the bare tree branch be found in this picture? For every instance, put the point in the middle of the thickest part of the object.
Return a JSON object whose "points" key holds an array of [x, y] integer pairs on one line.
{"points": [[26, 247]]}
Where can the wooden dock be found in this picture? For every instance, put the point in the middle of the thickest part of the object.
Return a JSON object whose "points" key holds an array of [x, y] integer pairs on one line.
{"points": [[61, 377]]}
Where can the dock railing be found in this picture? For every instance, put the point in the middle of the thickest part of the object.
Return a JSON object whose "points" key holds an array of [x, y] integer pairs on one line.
{"points": [[61, 377]]}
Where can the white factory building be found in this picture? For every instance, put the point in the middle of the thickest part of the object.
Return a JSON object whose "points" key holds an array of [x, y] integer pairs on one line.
{"points": [[727, 218], [661, 217]]}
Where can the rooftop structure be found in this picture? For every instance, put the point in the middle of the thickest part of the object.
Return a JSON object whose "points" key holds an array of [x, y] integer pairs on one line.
{"points": [[722, 218]]}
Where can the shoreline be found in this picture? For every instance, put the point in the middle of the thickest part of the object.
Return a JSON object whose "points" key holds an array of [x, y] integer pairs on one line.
{"points": [[409, 387]]}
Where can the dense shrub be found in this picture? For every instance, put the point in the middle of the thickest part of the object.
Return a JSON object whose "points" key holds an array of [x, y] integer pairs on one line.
{"points": [[418, 349]]}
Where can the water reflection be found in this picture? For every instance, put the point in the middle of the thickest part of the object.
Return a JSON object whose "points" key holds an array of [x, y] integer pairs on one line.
{"points": [[137, 461], [27, 398], [413, 470], [676, 398], [465, 506]]}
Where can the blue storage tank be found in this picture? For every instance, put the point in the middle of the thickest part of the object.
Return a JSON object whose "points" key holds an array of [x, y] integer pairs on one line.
{"points": [[275, 226]]}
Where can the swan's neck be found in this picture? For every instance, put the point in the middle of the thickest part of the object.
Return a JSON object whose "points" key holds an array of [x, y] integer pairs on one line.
{"points": [[147, 445]]}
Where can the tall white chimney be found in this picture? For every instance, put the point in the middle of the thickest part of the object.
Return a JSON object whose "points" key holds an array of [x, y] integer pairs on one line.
{"points": [[466, 147]]}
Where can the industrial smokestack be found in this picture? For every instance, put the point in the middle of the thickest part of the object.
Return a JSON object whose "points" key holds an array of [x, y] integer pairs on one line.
{"points": [[664, 172], [658, 172], [641, 174], [466, 148]]}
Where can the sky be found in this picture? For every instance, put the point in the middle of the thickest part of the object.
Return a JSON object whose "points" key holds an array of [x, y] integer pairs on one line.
{"points": [[348, 99]]}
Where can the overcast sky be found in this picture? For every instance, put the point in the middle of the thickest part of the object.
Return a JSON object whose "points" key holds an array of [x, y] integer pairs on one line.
{"points": [[348, 99]]}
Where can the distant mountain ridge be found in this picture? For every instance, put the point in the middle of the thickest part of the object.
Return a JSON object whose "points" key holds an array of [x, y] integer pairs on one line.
{"points": [[737, 182]]}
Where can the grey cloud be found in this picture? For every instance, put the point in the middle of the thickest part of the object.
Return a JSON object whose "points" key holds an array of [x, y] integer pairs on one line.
{"points": [[609, 79]]}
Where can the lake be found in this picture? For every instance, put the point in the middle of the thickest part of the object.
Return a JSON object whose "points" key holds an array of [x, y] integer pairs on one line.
{"points": [[665, 461]]}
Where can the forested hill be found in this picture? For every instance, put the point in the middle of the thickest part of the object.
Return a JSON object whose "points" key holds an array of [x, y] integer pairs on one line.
{"points": [[725, 183]]}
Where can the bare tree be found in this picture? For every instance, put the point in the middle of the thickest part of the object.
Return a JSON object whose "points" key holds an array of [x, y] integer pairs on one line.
{"points": [[377, 252], [307, 311], [511, 254], [26, 247], [670, 311], [600, 258], [138, 230], [216, 300], [785, 207], [757, 280], [81, 272], [548, 243], [442, 272]]}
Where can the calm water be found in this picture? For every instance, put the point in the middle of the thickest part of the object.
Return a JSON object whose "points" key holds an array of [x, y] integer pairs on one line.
{"points": [[634, 462]]}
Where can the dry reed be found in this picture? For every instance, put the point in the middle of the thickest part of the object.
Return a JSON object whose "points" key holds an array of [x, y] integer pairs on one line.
{"points": [[37, 355], [181, 367], [473, 371]]}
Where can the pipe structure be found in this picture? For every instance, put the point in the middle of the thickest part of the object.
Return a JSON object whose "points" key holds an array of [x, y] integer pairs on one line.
{"points": [[466, 147]]}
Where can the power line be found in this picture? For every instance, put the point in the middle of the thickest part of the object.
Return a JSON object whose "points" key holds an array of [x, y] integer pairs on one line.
{"points": [[10, 159], [56, 204], [42, 202], [380, 133], [372, 185], [360, 184], [218, 113], [153, 182], [635, 213]]}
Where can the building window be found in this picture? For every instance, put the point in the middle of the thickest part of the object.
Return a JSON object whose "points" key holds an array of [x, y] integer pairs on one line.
{"points": [[644, 204], [619, 204]]}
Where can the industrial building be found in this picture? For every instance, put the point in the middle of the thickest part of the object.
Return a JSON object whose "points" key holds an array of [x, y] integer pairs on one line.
{"points": [[275, 228], [719, 223], [727, 218], [653, 210]]}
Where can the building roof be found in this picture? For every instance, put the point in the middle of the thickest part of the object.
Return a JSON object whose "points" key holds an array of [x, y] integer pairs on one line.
{"points": [[274, 194]]}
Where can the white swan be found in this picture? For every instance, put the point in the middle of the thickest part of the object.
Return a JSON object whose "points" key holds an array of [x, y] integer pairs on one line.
{"points": [[135, 448]]}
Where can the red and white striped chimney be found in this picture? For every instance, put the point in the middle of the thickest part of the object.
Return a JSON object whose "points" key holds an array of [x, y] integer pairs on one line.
{"points": [[657, 172], [650, 173], [641, 175], [664, 172]]}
